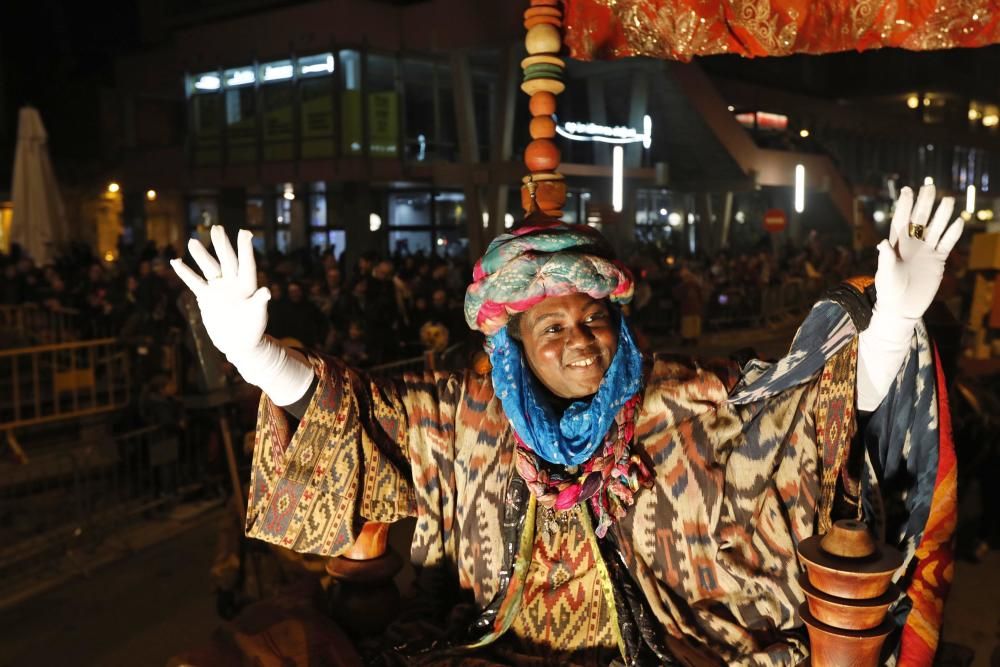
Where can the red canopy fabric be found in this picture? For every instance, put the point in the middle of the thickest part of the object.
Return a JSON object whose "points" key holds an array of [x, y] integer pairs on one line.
{"points": [[681, 29]]}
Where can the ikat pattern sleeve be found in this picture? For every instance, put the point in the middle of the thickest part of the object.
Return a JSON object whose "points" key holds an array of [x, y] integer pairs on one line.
{"points": [[347, 462]]}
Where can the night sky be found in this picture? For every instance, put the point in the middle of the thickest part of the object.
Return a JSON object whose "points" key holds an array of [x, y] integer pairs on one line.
{"points": [[56, 55]]}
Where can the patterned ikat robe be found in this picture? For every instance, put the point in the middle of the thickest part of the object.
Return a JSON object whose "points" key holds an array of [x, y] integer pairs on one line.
{"points": [[711, 546]]}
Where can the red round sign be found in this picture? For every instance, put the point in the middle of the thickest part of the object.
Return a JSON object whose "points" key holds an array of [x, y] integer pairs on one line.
{"points": [[775, 220]]}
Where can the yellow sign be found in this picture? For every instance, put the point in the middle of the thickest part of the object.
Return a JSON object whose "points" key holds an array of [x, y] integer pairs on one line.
{"points": [[350, 115], [383, 124]]}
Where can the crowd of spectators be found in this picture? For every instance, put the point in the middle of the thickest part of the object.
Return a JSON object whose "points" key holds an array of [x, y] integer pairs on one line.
{"points": [[734, 290], [378, 310], [371, 313]]}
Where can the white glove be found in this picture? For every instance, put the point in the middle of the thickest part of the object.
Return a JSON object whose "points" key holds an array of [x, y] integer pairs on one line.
{"points": [[908, 276], [234, 311]]}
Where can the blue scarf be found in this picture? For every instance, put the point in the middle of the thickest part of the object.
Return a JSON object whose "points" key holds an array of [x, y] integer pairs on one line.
{"points": [[574, 437]]}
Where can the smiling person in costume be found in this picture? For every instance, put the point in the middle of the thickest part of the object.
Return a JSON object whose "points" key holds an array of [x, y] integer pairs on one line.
{"points": [[578, 504]]}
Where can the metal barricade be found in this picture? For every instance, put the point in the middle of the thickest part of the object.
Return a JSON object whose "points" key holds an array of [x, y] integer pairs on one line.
{"points": [[48, 383], [32, 323], [59, 508], [426, 362]]}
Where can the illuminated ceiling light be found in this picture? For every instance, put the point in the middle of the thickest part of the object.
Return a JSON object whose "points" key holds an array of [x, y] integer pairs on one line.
{"points": [[278, 72], [674, 219], [970, 198], [803, 133], [663, 211], [289, 192], [913, 101], [974, 113], [800, 188], [879, 215], [208, 82], [486, 219], [990, 119], [151, 195], [617, 176], [508, 220], [240, 77], [313, 67], [113, 187], [928, 180], [374, 222], [731, 107], [647, 131]]}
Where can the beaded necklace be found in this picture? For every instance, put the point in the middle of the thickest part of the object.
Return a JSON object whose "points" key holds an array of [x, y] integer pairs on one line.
{"points": [[608, 480]]}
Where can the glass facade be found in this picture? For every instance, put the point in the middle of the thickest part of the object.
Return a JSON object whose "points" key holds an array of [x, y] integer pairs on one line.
{"points": [[427, 223]]}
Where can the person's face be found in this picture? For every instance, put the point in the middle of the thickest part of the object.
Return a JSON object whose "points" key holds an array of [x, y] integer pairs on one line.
{"points": [[355, 332], [440, 298], [569, 342], [295, 292], [383, 270], [333, 278]]}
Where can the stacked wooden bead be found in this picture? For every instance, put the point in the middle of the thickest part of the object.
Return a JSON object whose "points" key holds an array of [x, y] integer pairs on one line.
{"points": [[543, 80]]}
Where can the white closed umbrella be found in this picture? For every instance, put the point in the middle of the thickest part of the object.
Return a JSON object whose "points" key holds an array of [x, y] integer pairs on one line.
{"points": [[39, 220]]}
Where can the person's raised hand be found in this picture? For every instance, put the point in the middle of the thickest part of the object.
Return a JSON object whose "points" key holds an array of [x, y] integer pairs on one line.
{"points": [[911, 261], [233, 308], [910, 268]]}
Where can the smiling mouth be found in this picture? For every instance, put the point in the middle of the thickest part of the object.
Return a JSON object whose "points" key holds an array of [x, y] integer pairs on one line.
{"points": [[583, 363]]}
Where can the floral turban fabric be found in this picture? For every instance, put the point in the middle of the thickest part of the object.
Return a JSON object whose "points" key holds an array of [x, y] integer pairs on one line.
{"points": [[533, 263]]}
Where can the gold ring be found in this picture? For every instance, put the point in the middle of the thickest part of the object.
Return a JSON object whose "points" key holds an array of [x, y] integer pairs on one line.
{"points": [[916, 231]]}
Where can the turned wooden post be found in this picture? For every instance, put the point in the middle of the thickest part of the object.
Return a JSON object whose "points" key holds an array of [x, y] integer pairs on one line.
{"points": [[544, 188], [848, 592]]}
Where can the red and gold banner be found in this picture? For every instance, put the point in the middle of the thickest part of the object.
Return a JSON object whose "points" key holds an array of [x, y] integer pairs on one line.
{"points": [[681, 29]]}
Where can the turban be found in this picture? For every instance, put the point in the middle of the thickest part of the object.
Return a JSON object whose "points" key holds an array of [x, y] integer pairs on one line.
{"points": [[533, 263]]}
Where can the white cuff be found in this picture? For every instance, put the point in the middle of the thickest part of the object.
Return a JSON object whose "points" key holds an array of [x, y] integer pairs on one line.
{"points": [[283, 377], [882, 348]]}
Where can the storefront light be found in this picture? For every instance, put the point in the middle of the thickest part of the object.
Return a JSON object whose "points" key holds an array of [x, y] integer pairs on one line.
{"points": [[674, 219], [207, 82], [151, 195], [316, 65], [800, 188], [985, 214], [803, 133], [991, 119], [617, 176], [289, 192], [278, 71], [508, 220], [486, 220], [374, 222], [913, 101], [879, 216], [239, 77], [741, 217], [928, 180], [113, 187], [970, 198]]}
